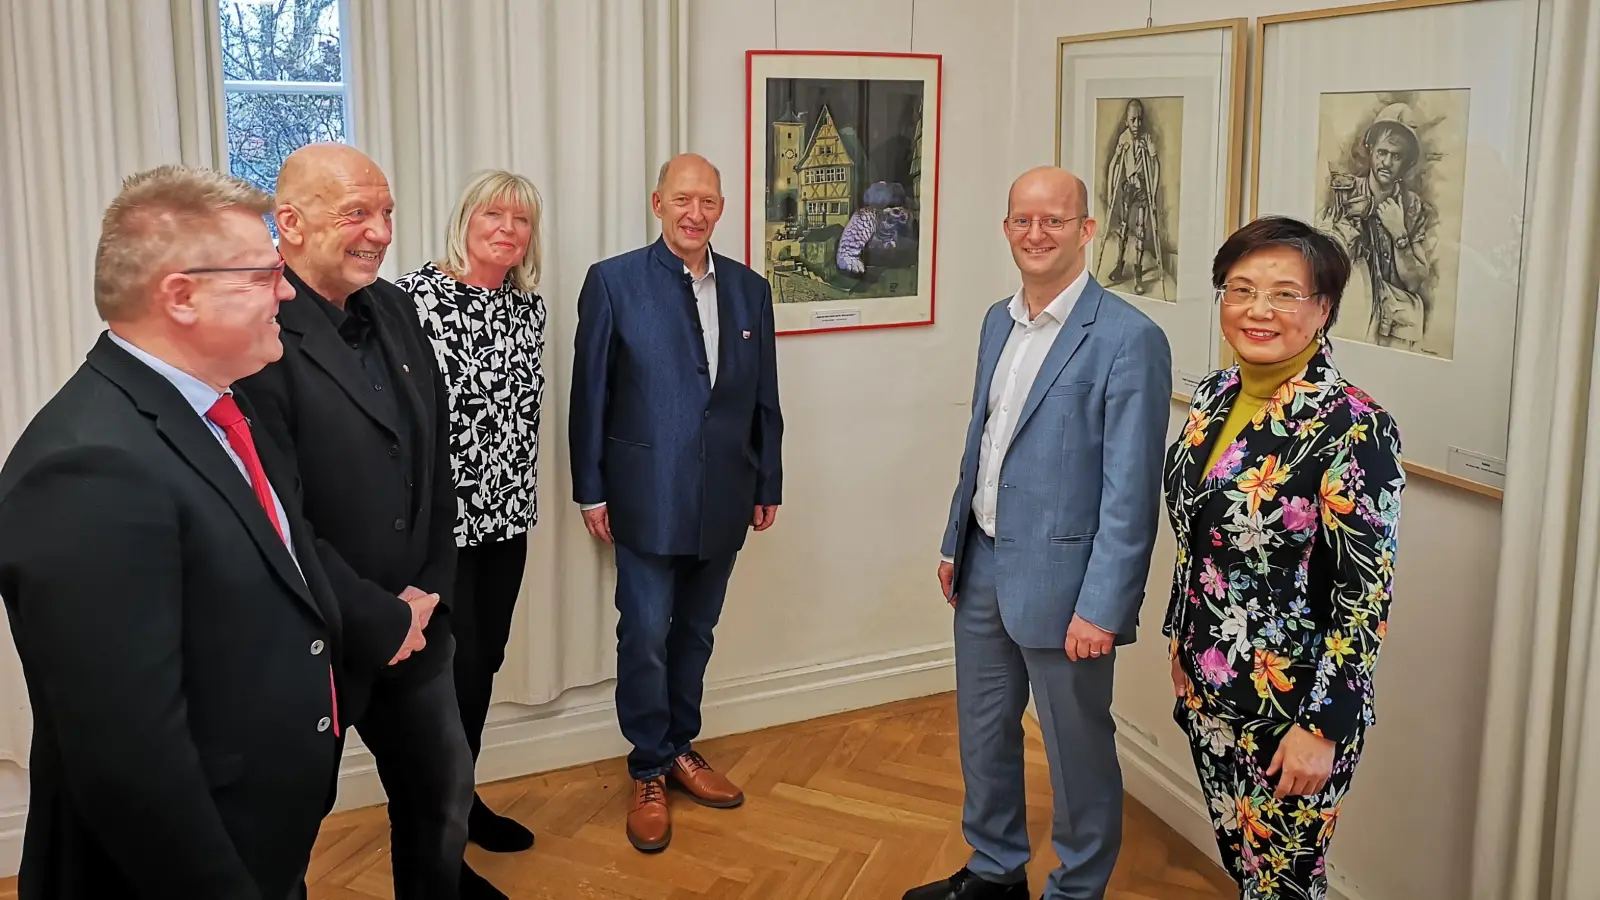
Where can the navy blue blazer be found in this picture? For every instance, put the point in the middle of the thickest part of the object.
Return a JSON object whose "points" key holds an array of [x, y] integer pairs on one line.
{"points": [[680, 465]]}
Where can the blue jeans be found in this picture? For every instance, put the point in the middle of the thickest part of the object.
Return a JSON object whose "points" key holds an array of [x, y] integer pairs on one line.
{"points": [[668, 606]]}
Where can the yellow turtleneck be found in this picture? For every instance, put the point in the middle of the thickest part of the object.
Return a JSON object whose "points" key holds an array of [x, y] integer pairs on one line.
{"points": [[1257, 383]]}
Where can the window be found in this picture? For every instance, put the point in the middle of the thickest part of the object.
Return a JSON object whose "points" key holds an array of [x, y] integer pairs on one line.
{"points": [[284, 77]]}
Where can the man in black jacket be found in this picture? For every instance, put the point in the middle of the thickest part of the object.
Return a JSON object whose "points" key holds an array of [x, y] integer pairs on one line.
{"points": [[359, 401], [187, 661]]}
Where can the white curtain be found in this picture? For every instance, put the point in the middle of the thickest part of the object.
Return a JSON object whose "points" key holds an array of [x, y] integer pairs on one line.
{"points": [[90, 92], [1539, 794], [584, 99]]}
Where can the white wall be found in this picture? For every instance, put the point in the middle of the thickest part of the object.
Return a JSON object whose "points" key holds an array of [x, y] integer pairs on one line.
{"points": [[837, 606], [1406, 830], [874, 420]]}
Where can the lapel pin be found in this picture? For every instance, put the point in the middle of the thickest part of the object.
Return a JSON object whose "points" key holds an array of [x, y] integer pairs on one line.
{"points": [[747, 335], [405, 368]]}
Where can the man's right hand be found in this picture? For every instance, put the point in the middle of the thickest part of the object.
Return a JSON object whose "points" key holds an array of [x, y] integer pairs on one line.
{"points": [[413, 594], [947, 576], [598, 521], [421, 611]]}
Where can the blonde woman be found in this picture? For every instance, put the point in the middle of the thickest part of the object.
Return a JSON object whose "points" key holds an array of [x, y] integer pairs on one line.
{"points": [[479, 307]]}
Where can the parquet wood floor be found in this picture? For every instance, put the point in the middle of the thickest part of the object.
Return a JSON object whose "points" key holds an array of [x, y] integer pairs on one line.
{"points": [[858, 806]]}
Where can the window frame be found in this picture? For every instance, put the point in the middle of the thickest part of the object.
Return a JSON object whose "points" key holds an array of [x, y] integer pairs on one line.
{"points": [[325, 88]]}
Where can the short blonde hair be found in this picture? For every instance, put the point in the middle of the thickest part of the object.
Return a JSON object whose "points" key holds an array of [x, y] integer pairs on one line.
{"points": [[159, 214], [485, 188]]}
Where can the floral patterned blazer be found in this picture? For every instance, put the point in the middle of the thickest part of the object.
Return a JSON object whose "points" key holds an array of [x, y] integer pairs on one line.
{"points": [[1286, 550]]}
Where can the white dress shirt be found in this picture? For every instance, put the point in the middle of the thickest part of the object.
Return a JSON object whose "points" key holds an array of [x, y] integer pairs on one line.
{"points": [[1024, 353], [705, 300], [200, 398]]}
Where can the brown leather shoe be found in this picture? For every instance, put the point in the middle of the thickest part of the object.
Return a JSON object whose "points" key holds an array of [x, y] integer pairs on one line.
{"points": [[692, 773], [649, 822]]}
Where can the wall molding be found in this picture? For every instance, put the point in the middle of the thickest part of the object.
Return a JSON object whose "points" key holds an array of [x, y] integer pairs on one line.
{"points": [[580, 726]]}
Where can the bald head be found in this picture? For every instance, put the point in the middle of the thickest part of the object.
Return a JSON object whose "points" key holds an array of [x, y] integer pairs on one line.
{"points": [[315, 171], [688, 201], [690, 163], [334, 218], [1048, 225], [1051, 182]]}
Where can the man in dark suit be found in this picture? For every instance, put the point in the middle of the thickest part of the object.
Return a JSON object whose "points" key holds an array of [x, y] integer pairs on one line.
{"points": [[186, 658], [359, 402], [675, 435]]}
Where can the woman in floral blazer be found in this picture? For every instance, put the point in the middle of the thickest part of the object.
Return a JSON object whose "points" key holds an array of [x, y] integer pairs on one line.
{"points": [[1284, 493]]}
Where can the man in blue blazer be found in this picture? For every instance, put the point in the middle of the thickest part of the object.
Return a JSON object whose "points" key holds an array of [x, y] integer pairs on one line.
{"points": [[675, 436], [1048, 546]]}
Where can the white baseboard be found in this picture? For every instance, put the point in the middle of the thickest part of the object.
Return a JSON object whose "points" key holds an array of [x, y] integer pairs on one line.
{"points": [[581, 725], [1174, 796]]}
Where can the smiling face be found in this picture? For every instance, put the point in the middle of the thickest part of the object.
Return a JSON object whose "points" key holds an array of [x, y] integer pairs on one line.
{"points": [[1043, 256], [227, 320], [497, 235], [1259, 333], [335, 218], [688, 203]]}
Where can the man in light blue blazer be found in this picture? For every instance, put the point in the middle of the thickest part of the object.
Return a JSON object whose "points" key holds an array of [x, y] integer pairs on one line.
{"points": [[1048, 546]]}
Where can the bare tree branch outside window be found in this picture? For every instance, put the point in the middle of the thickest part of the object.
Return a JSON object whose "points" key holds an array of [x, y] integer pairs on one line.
{"points": [[283, 76]]}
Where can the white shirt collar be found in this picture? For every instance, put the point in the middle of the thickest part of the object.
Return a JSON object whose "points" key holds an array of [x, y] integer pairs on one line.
{"points": [[1059, 308], [711, 267], [198, 394]]}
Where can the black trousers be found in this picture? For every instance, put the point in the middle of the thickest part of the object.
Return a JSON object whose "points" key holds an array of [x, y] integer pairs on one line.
{"points": [[413, 728], [488, 578]]}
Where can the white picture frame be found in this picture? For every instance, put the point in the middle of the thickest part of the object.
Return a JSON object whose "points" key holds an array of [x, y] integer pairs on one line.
{"points": [[1189, 83], [1429, 334]]}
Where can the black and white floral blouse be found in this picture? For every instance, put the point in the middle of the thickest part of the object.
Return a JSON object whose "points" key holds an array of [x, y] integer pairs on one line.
{"points": [[489, 344]]}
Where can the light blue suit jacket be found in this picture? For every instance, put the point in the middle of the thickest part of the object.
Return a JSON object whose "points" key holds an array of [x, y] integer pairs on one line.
{"points": [[1080, 486]]}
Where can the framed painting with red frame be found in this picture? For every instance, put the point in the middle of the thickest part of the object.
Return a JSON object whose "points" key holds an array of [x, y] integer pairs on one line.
{"points": [[842, 186]]}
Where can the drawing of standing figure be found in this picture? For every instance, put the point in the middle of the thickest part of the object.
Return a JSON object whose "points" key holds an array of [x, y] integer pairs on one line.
{"points": [[1133, 176], [1388, 229]]}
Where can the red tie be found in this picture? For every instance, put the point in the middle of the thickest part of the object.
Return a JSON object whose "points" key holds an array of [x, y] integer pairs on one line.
{"points": [[225, 413]]}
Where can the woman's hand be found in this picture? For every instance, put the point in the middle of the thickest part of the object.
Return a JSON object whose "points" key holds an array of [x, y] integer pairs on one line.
{"points": [[1305, 761], [1180, 680]]}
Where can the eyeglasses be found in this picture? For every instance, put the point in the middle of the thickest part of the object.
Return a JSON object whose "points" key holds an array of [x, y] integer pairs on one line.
{"points": [[1281, 299], [277, 270], [1048, 223]]}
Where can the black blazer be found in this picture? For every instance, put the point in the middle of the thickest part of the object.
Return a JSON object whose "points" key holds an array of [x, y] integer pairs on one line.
{"points": [[177, 661], [381, 524]]}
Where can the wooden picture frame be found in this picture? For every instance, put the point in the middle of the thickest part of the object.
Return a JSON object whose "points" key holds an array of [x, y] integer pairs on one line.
{"points": [[1152, 119], [842, 165], [1404, 129]]}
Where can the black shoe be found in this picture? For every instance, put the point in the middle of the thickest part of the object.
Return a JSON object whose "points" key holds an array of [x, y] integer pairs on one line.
{"points": [[475, 887], [496, 833], [964, 885]]}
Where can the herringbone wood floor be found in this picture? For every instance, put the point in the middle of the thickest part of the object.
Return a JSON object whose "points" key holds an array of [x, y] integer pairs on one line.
{"points": [[858, 806]]}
